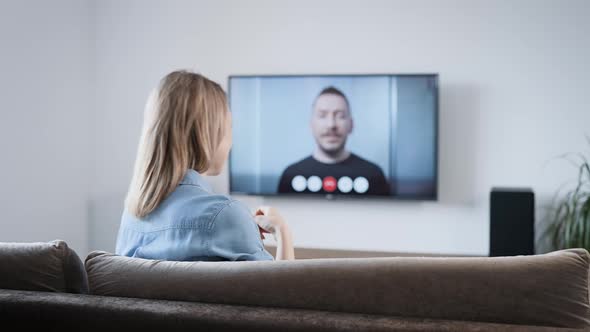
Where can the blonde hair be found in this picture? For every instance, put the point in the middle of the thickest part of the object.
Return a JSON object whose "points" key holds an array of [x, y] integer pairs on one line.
{"points": [[183, 126]]}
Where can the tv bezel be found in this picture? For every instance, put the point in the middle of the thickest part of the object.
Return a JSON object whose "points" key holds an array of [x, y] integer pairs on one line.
{"points": [[344, 196]]}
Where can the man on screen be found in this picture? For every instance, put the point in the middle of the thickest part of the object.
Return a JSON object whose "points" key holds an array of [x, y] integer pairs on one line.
{"points": [[332, 168]]}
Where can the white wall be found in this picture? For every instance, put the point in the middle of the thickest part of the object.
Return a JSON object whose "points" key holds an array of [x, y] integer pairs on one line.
{"points": [[514, 76], [45, 85]]}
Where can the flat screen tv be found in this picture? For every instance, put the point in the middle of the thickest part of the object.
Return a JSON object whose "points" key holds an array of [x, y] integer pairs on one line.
{"points": [[335, 135]]}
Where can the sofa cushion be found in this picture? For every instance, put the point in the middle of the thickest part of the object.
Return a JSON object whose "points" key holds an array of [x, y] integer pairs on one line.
{"points": [[547, 290], [42, 266], [78, 312]]}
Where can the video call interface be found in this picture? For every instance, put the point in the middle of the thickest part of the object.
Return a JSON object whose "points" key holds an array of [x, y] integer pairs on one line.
{"points": [[336, 135]]}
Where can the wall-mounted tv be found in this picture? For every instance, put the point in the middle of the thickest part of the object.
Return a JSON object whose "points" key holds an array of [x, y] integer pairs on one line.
{"points": [[335, 135]]}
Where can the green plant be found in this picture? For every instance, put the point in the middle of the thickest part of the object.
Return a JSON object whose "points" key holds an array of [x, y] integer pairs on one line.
{"points": [[569, 224]]}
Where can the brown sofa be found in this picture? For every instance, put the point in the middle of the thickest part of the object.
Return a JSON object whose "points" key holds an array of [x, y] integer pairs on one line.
{"points": [[546, 292]]}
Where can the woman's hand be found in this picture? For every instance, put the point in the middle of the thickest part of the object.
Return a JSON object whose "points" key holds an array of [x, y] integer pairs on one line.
{"points": [[269, 220]]}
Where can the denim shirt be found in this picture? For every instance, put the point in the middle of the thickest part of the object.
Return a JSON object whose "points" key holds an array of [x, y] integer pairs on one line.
{"points": [[193, 224]]}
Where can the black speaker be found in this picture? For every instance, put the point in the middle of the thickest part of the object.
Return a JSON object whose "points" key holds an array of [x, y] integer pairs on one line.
{"points": [[512, 221]]}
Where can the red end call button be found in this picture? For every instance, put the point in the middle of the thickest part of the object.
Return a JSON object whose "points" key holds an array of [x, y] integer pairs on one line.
{"points": [[329, 184]]}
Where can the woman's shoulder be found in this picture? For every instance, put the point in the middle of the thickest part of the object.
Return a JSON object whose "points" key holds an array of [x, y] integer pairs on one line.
{"points": [[191, 208], [202, 207]]}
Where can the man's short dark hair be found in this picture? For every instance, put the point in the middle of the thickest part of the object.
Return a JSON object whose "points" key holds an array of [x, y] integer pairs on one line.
{"points": [[330, 90]]}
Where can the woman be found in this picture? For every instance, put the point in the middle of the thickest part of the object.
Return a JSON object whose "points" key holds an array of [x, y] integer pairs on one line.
{"points": [[170, 211]]}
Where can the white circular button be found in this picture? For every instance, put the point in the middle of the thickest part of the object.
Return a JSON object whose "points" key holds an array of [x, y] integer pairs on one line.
{"points": [[345, 184], [299, 183], [314, 183], [361, 185]]}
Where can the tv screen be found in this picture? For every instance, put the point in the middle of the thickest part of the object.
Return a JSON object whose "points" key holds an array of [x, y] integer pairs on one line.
{"points": [[335, 135]]}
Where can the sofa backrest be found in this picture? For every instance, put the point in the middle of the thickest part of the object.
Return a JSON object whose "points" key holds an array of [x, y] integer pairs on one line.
{"points": [[546, 290], [42, 266]]}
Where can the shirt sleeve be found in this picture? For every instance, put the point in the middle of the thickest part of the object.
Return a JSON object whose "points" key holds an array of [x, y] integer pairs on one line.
{"points": [[235, 235], [285, 182]]}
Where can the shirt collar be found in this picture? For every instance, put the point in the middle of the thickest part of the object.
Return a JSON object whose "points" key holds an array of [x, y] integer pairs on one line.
{"points": [[193, 177]]}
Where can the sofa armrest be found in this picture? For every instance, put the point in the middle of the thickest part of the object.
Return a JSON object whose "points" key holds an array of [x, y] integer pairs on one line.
{"points": [[42, 266]]}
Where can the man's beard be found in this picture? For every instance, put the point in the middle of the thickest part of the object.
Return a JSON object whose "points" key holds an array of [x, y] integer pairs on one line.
{"points": [[333, 152]]}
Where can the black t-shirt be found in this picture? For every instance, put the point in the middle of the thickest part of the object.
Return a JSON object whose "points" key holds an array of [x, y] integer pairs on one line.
{"points": [[364, 177]]}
